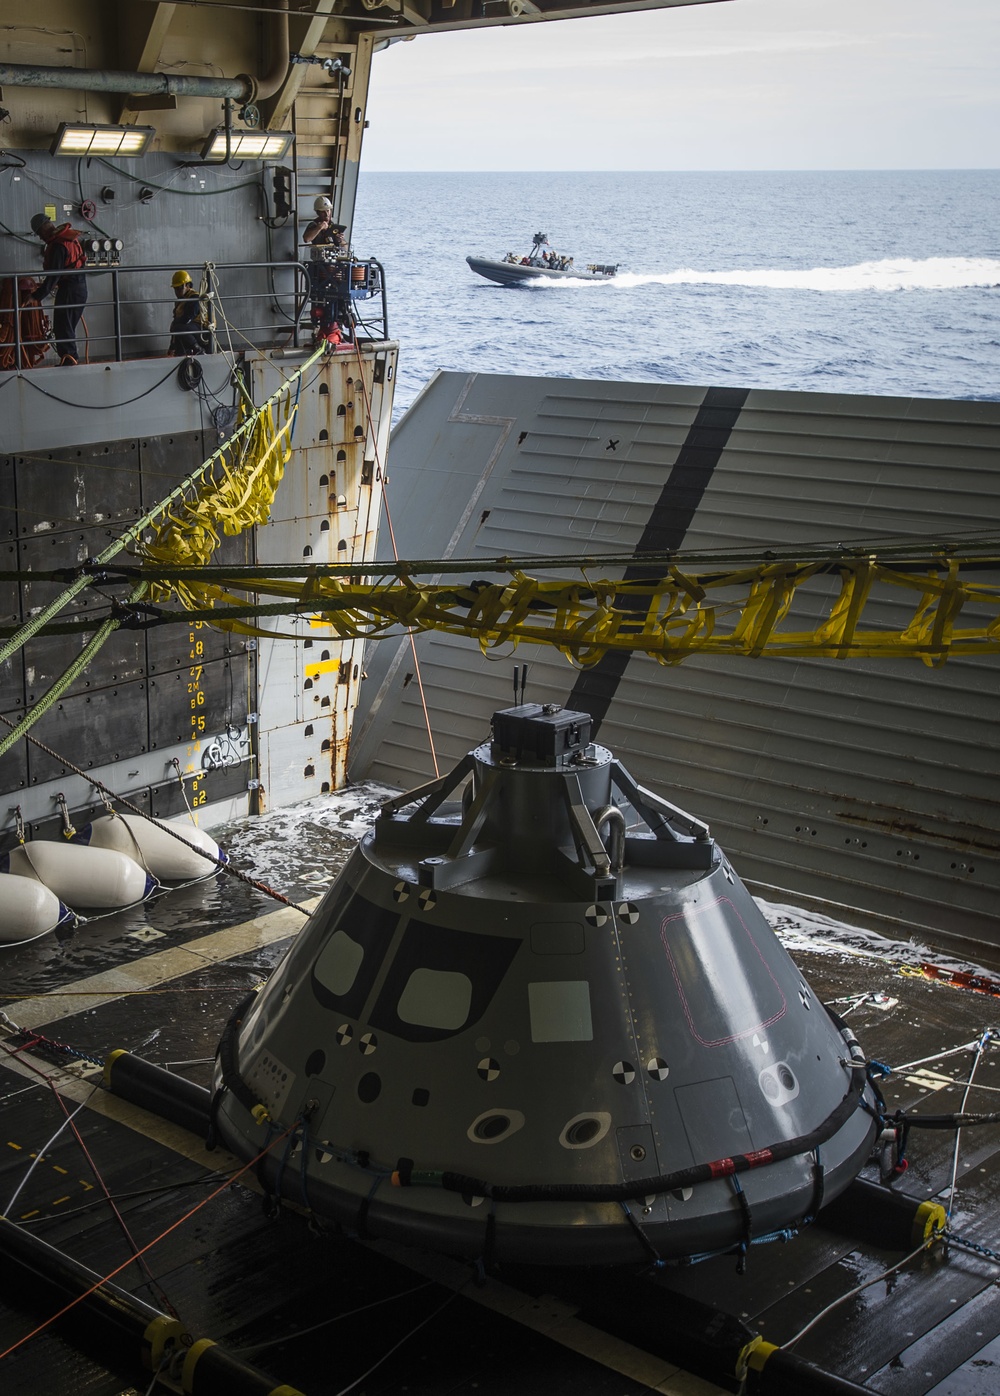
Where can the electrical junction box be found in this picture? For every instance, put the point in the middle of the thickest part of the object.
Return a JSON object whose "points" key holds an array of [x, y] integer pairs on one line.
{"points": [[541, 733]]}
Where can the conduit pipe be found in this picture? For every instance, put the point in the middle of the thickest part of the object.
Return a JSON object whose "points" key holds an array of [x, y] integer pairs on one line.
{"points": [[243, 88], [270, 81]]}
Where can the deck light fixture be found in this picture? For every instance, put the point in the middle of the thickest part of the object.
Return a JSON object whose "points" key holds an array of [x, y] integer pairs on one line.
{"points": [[82, 138], [247, 145]]}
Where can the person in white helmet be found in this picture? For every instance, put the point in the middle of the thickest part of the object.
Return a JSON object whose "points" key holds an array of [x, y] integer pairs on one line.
{"points": [[322, 231], [327, 273]]}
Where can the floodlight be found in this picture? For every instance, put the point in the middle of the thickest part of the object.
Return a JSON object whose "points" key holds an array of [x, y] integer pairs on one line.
{"points": [[81, 138], [247, 145]]}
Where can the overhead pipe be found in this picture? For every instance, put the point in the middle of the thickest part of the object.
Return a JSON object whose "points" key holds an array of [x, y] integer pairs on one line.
{"points": [[243, 88], [280, 63]]}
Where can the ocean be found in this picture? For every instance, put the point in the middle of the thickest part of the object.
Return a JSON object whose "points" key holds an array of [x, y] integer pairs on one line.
{"points": [[832, 281]]}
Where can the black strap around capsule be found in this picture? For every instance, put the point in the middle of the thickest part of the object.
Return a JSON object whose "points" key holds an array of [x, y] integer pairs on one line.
{"points": [[744, 1249]]}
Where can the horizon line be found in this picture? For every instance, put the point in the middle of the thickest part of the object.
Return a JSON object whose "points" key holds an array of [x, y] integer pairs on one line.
{"points": [[775, 169]]}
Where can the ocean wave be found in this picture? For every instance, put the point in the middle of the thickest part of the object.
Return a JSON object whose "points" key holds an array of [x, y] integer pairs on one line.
{"points": [[892, 274]]}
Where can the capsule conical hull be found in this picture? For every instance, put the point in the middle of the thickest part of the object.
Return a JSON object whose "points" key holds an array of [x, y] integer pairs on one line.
{"points": [[485, 1043]]}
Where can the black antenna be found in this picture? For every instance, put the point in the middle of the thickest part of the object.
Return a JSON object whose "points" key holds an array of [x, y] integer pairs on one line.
{"points": [[524, 679], [515, 685]]}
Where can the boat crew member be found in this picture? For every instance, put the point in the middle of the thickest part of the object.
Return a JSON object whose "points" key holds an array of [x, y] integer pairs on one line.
{"points": [[329, 274], [63, 253], [187, 326]]}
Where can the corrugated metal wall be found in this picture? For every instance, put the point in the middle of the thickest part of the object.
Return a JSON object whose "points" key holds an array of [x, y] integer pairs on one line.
{"points": [[865, 784]]}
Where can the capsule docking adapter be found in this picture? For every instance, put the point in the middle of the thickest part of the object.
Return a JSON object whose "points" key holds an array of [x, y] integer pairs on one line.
{"points": [[538, 1018]]}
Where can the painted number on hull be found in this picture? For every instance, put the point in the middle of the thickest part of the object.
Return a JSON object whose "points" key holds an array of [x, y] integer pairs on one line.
{"points": [[196, 700]]}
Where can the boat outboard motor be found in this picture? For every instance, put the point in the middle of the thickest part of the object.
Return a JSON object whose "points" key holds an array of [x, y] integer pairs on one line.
{"points": [[544, 1022]]}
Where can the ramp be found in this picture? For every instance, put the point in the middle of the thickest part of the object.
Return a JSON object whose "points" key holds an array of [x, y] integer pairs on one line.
{"points": [[867, 786]]}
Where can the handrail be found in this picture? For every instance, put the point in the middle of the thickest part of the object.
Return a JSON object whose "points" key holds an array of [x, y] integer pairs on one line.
{"points": [[128, 321]]}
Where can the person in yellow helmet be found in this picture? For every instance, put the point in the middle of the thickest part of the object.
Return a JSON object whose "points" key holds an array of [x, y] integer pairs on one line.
{"points": [[187, 327]]}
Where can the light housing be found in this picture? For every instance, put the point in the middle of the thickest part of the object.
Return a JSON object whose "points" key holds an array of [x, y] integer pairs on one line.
{"points": [[85, 138], [247, 145]]}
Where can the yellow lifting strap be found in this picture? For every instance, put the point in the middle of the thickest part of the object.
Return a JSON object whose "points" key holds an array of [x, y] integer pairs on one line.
{"points": [[747, 610], [237, 496]]}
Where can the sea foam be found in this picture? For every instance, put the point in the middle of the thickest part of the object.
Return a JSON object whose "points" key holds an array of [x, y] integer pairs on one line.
{"points": [[892, 274]]}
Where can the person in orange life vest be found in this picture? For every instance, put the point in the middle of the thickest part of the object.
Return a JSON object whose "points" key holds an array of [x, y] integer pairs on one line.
{"points": [[62, 253]]}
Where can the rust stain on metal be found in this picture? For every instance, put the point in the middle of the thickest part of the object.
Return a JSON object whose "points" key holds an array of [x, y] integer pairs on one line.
{"points": [[905, 827]]}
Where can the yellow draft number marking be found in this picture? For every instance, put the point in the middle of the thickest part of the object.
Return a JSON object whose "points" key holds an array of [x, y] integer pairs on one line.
{"points": [[197, 795]]}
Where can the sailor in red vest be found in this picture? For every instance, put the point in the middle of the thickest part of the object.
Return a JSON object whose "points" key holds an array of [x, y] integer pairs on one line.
{"points": [[63, 253]]}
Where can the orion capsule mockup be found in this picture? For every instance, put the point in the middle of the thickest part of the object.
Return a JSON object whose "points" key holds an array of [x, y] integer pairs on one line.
{"points": [[544, 1022]]}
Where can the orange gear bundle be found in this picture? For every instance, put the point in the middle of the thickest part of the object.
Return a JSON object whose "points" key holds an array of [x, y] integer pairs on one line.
{"points": [[33, 324]]}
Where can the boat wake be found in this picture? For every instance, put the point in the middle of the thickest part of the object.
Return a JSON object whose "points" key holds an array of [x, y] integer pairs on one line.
{"points": [[892, 274]]}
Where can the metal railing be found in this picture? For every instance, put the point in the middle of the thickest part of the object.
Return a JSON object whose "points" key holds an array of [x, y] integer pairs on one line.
{"points": [[126, 314]]}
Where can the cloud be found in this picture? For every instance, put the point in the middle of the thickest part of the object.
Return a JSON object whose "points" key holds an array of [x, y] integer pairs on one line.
{"points": [[759, 84], [483, 53]]}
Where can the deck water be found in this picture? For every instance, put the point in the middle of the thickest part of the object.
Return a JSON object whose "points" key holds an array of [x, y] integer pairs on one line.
{"points": [[327, 1311]]}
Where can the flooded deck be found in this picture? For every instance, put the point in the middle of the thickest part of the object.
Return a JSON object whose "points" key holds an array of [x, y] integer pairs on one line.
{"points": [[325, 1312]]}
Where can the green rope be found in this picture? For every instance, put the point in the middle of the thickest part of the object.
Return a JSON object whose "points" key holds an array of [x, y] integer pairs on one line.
{"points": [[27, 631], [904, 556], [65, 679]]}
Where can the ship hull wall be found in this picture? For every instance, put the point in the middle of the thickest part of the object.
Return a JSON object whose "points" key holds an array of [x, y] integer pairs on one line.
{"points": [[863, 784]]}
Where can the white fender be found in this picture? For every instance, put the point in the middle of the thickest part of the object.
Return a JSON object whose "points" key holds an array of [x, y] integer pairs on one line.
{"points": [[83, 877], [165, 856], [27, 910]]}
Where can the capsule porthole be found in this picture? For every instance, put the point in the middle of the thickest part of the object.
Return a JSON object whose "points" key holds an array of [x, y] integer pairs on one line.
{"points": [[494, 1125], [584, 1131]]}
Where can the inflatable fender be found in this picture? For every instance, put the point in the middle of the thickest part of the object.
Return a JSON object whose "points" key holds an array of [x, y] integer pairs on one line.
{"points": [[166, 857], [28, 909], [82, 877]]}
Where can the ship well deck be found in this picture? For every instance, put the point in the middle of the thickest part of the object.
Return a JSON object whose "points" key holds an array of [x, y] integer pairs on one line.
{"points": [[327, 1312]]}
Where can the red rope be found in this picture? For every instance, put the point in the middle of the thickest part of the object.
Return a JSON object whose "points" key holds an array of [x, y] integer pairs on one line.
{"points": [[136, 1253], [149, 1245]]}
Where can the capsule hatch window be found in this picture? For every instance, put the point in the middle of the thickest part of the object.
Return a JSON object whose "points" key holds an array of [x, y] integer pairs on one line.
{"points": [[436, 998], [337, 967], [358, 936], [441, 981]]}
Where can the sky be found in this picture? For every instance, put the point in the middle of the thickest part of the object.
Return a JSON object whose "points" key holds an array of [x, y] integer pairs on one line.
{"points": [[740, 85]]}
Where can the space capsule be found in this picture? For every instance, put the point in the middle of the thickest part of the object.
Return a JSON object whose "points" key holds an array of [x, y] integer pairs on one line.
{"points": [[539, 1018]]}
